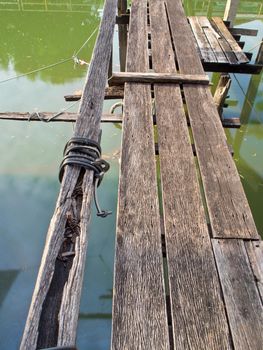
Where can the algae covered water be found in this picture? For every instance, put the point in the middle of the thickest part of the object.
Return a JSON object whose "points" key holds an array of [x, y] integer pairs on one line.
{"points": [[38, 33]]}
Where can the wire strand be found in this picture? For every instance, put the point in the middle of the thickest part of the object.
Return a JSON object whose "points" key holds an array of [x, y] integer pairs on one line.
{"points": [[52, 64]]}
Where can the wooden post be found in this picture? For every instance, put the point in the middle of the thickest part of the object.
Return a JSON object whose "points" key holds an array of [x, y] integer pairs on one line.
{"points": [[122, 31], [259, 59], [221, 92], [53, 314], [110, 64], [231, 11]]}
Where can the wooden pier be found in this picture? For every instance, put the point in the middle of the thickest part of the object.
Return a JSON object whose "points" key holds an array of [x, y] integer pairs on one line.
{"points": [[189, 259]]}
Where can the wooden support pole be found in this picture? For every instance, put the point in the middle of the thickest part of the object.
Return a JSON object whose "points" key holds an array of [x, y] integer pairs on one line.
{"points": [[259, 58], [53, 314], [153, 78], [221, 92], [110, 64], [123, 34], [231, 11]]}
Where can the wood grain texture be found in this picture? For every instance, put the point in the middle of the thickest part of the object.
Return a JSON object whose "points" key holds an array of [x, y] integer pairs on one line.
{"points": [[255, 254], [221, 92], [243, 304], [228, 208], [68, 205], [65, 117], [198, 316], [162, 77], [111, 93], [212, 38], [243, 31], [139, 309], [203, 44], [224, 32]]}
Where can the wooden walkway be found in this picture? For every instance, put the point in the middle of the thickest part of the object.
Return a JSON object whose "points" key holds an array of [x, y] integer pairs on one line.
{"points": [[189, 260], [206, 293]]}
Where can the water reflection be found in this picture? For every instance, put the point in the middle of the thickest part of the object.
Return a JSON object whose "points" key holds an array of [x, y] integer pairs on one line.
{"points": [[31, 152], [30, 40]]}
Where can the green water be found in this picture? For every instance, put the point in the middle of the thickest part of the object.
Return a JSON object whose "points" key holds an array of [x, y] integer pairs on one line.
{"points": [[39, 34]]}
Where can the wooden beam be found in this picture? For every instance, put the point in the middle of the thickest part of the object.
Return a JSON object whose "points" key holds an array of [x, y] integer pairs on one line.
{"points": [[231, 11], [242, 300], [243, 31], [111, 93], [65, 117], [53, 314], [122, 20], [139, 318], [232, 68], [221, 92], [72, 117], [154, 78], [197, 311]]}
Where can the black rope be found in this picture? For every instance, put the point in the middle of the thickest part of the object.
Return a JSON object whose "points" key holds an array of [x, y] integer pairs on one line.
{"points": [[86, 153]]}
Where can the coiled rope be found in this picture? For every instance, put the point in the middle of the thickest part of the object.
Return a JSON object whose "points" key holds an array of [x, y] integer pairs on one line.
{"points": [[86, 153]]}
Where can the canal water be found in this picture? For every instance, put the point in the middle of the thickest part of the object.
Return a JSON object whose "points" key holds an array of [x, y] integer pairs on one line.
{"points": [[38, 33]]}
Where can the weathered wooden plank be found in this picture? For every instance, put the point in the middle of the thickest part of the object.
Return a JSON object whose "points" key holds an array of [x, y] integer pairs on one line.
{"points": [[139, 309], [255, 254], [198, 316], [65, 117], [243, 304], [243, 31], [222, 29], [111, 93], [154, 78], [228, 208], [202, 42], [123, 20], [57, 291], [212, 37]]}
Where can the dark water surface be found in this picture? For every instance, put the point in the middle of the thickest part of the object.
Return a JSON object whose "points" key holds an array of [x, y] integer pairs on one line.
{"points": [[37, 33]]}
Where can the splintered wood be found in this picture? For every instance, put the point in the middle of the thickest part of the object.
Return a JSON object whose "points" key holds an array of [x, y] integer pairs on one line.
{"points": [[208, 285]]}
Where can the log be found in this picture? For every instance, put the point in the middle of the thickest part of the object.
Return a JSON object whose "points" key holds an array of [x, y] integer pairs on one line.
{"points": [[153, 78], [221, 92], [53, 314]]}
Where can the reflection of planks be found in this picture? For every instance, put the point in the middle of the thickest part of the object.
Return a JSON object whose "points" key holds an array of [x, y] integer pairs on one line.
{"points": [[210, 240], [215, 42]]}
